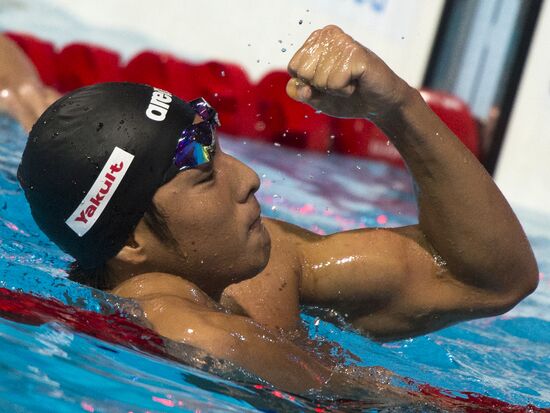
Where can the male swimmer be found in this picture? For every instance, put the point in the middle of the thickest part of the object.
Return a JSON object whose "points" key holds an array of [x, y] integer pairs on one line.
{"points": [[131, 181]]}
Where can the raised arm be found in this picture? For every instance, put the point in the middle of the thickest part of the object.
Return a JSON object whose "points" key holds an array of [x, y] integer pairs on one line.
{"points": [[468, 248]]}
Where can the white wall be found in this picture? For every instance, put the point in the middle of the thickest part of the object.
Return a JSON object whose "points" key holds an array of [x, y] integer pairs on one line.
{"points": [[523, 170], [251, 32]]}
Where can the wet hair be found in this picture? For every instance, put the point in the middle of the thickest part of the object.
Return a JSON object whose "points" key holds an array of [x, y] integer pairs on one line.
{"points": [[99, 277]]}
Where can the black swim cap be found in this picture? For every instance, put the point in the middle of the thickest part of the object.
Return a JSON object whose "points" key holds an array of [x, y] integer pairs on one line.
{"points": [[93, 162]]}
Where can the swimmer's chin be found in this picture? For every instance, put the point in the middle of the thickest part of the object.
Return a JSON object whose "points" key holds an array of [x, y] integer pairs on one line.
{"points": [[260, 256]]}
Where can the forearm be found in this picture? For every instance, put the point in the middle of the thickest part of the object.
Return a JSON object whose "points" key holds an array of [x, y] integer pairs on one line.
{"points": [[13, 58], [462, 213], [247, 344], [290, 368], [23, 95]]}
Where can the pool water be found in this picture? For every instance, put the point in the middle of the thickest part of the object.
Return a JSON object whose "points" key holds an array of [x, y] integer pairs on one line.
{"points": [[53, 368]]}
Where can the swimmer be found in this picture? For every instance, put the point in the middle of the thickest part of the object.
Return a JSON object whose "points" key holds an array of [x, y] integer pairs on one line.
{"points": [[132, 182]]}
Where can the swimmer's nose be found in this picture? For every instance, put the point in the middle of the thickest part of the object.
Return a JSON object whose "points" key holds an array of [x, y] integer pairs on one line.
{"points": [[246, 180]]}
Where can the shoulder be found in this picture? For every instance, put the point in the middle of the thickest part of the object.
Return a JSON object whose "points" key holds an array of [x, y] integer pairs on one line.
{"points": [[288, 242], [171, 304], [149, 283], [286, 229], [158, 284], [207, 327], [287, 236]]}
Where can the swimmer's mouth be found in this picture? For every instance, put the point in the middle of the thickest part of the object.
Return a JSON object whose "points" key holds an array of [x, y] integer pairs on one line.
{"points": [[256, 223]]}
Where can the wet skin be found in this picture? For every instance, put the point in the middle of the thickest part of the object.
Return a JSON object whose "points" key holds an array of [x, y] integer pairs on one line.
{"points": [[232, 284], [234, 289]]}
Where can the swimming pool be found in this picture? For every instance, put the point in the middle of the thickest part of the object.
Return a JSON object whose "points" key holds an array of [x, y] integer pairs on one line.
{"points": [[53, 368]]}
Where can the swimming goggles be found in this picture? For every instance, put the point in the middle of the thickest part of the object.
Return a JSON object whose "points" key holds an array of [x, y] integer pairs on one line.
{"points": [[197, 142]]}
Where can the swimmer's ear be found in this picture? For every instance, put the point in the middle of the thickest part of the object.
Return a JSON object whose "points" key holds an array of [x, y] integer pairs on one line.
{"points": [[133, 252]]}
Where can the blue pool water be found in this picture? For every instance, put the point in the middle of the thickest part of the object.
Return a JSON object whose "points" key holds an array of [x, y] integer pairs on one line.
{"points": [[53, 369]]}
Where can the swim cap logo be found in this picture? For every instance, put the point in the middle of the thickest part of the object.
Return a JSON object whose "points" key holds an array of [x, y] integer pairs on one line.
{"points": [[159, 105], [101, 192]]}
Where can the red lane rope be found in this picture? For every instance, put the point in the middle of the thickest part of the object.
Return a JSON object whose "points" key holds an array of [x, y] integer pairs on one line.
{"points": [[113, 328], [260, 111]]}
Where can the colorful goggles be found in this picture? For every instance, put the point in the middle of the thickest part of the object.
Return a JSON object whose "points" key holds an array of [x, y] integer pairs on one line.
{"points": [[197, 142]]}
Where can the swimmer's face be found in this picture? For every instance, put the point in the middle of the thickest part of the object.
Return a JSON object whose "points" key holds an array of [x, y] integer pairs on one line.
{"points": [[213, 216]]}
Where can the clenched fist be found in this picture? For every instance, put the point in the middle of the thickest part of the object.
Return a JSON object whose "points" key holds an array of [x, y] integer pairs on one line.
{"points": [[340, 77]]}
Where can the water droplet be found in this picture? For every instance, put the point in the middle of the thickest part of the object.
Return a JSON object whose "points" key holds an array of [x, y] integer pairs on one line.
{"points": [[121, 122], [277, 144], [387, 143], [274, 208], [222, 73], [260, 126], [215, 95], [249, 45], [258, 61], [318, 111], [283, 50], [358, 167], [280, 41], [275, 196], [300, 21], [299, 155], [332, 136]]}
